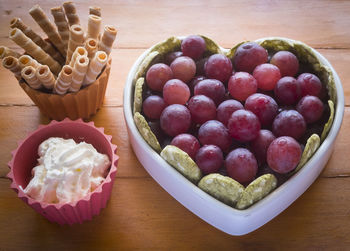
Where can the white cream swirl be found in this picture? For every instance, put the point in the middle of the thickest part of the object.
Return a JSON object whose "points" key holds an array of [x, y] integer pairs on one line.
{"points": [[66, 171]]}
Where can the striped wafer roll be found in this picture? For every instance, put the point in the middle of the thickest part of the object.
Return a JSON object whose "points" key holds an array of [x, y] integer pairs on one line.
{"points": [[91, 47], [26, 60], [107, 39], [64, 80], [5, 51], [95, 67], [34, 50], [76, 38], [28, 73], [94, 26], [62, 24], [47, 47], [71, 13], [95, 10], [11, 63], [49, 28], [80, 68], [79, 51], [45, 76]]}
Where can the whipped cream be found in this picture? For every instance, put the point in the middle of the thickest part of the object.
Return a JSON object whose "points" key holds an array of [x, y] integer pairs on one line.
{"points": [[66, 171]]}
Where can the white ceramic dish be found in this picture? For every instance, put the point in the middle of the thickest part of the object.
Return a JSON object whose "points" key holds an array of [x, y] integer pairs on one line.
{"points": [[216, 213]]}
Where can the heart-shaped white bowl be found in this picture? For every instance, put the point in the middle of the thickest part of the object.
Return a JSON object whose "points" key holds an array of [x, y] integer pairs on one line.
{"points": [[216, 213]]}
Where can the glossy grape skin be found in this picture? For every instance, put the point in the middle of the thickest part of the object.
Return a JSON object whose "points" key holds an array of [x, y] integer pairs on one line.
{"points": [[260, 145], [311, 108], [175, 119], [218, 67], [176, 92], [187, 143], [244, 125], [287, 91], [289, 123], [171, 56], [193, 46], [202, 109], [287, 62], [309, 84], [213, 132], [209, 159], [241, 85], [225, 110], [248, 56], [267, 76], [283, 154], [194, 82], [263, 106], [183, 68], [241, 165], [153, 106], [211, 88], [157, 75]]}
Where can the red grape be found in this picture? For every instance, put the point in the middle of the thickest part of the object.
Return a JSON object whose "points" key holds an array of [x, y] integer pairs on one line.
{"points": [[213, 132], [209, 159], [241, 165], [226, 108], [157, 75], [242, 85], [287, 62], [202, 109], [283, 154], [267, 76], [287, 91], [170, 57], [248, 56], [289, 123], [187, 143], [184, 68], [260, 145], [175, 119], [193, 46], [194, 82], [263, 106], [244, 125], [200, 66], [309, 84], [153, 106], [218, 67], [211, 88], [311, 108], [176, 92]]}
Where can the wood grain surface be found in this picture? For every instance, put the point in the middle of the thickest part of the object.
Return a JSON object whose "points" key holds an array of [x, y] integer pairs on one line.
{"points": [[141, 215]]}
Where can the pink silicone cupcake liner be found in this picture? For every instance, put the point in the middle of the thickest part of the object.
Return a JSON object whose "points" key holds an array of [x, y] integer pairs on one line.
{"points": [[25, 158]]}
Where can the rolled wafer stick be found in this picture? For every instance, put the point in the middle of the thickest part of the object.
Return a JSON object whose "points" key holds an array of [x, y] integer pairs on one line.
{"points": [[43, 21], [28, 73], [5, 51], [11, 63], [64, 80], [91, 47], [95, 67], [47, 47], [80, 68], [34, 50], [94, 26], [71, 13], [62, 24], [45, 76], [76, 38], [79, 51], [107, 39], [26, 60], [95, 10]]}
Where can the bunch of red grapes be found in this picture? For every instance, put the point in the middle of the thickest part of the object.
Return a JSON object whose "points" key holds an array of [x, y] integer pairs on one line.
{"points": [[242, 117]]}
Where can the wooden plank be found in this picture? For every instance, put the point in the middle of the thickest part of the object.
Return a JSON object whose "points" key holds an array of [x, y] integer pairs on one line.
{"points": [[150, 219], [144, 23]]}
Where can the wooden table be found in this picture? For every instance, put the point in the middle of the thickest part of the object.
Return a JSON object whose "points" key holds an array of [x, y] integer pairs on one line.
{"points": [[140, 214]]}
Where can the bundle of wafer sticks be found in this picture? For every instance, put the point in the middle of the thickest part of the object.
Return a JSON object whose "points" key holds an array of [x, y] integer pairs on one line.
{"points": [[69, 58]]}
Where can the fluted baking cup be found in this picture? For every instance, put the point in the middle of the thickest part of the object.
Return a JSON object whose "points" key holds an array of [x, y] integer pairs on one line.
{"points": [[25, 159], [81, 104]]}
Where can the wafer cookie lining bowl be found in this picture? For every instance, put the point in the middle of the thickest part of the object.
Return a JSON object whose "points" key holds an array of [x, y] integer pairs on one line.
{"points": [[214, 212]]}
